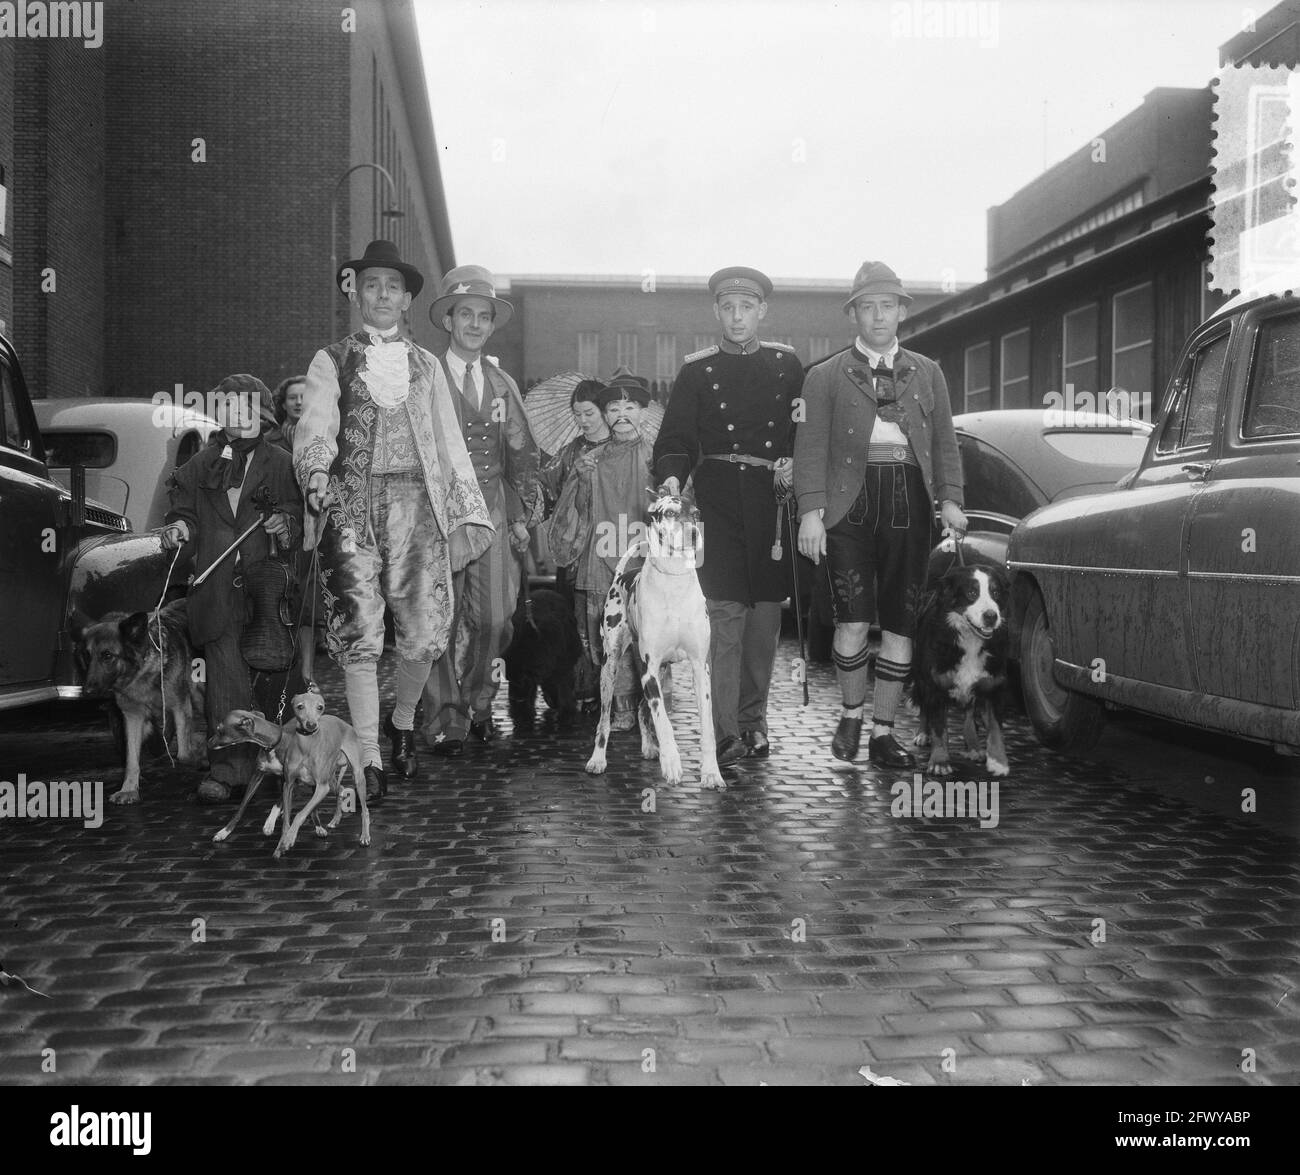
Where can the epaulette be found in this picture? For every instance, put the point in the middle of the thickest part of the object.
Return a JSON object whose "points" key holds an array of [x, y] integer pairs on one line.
{"points": [[776, 346], [704, 354]]}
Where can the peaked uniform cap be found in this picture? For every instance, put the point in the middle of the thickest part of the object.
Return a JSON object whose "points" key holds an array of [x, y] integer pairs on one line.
{"points": [[468, 281], [739, 279], [381, 255]]}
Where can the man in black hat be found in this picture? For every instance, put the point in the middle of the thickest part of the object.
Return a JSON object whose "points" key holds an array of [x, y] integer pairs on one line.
{"points": [[379, 450], [729, 421], [876, 451]]}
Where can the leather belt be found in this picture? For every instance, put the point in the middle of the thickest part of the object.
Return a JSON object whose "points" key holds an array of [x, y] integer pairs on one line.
{"points": [[740, 459]]}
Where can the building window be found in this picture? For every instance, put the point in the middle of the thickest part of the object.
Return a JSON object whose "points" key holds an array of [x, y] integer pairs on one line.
{"points": [[589, 352], [819, 346], [1013, 367], [1132, 350], [978, 381], [665, 356], [1079, 352], [703, 342], [626, 349]]}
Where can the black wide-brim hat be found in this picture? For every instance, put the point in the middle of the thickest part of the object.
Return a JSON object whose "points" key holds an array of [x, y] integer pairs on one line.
{"points": [[381, 255]]}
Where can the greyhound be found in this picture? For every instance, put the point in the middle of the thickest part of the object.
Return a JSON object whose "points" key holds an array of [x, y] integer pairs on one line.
{"points": [[313, 748], [662, 609]]}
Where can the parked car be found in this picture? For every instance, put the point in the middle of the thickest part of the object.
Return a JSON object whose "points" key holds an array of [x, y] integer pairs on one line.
{"points": [[59, 552], [128, 447], [1178, 594], [1017, 460]]}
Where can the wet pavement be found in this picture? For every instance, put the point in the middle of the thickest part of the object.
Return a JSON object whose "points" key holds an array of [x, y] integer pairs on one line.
{"points": [[518, 921]]}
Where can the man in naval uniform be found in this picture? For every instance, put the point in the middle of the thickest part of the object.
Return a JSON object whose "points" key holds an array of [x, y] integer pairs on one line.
{"points": [[458, 700], [379, 450], [729, 421]]}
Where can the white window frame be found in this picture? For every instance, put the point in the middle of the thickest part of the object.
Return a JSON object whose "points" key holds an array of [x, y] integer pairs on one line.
{"points": [[1146, 409], [966, 389], [1003, 382], [819, 346], [665, 345], [1094, 358], [589, 340], [625, 343]]}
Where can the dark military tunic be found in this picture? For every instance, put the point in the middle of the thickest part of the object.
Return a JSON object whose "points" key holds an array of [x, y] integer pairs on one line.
{"points": [[727, 402]]}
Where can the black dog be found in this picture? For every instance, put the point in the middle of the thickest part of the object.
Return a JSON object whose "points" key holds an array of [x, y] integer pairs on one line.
{"points": [[961, 657], [543, 652]]}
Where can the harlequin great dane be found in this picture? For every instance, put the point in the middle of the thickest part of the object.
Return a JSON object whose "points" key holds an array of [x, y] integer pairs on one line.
{"points": [[660, 609]]}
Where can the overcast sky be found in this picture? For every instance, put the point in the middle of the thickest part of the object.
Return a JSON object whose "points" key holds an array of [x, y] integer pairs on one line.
{"points": [[797, 136]]}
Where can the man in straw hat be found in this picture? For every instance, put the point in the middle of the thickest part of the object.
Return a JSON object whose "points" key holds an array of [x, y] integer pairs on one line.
{"points": [[729, 421], [379, 449], [875, 453], [490, 412]]}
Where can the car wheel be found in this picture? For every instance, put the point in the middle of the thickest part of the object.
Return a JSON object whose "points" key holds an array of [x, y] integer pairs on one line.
{"points": [[1063, 719]]}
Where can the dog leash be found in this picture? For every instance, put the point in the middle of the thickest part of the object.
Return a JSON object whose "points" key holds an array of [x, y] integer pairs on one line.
{"points": [[162, 656]]}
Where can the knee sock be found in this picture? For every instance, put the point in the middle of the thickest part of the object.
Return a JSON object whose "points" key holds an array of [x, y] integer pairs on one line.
{"points": [[890, 676], [362, 686], [411, 679], [851, 671]]}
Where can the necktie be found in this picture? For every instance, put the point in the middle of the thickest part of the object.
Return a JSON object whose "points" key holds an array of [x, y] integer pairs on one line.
{"points": [[471, 385], [378, 339], [884, 379]]}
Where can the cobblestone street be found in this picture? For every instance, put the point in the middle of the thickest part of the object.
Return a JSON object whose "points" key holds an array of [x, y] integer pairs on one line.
{"points": [[518, 921]]}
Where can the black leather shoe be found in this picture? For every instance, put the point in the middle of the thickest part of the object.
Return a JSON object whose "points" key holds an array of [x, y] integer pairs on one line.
{"points": [[376, 784], [884, 751], [449, 748], [756, 741], [484, 730], [403, 756], [847, 737], [731, 750]]}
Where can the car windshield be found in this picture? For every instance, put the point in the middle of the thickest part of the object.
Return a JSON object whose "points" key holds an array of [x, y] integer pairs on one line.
{"points": [[1099, 446]]}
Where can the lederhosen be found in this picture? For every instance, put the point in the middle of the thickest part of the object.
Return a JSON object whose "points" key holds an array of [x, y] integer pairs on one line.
{"points": [[877, 554]]}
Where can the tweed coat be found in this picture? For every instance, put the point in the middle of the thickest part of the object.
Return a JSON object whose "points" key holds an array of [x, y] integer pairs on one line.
{"points": [[830, 445]]}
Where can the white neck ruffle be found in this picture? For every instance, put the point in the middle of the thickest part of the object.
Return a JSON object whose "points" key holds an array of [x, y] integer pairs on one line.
{"points": [[387, 374]]}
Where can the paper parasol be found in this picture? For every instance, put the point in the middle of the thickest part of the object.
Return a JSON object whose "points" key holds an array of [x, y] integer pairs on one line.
{"points": [[550, 415]]}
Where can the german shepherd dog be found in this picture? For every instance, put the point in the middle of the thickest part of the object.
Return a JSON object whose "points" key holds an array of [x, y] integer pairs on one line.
{"points": [[119, 656]]}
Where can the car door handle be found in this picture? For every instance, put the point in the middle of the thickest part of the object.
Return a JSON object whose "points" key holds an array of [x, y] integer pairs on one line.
{"points": [[1197, 472]]}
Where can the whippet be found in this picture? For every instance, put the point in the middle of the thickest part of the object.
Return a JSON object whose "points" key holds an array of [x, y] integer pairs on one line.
{"points": [[661, 609], [312, 748]]}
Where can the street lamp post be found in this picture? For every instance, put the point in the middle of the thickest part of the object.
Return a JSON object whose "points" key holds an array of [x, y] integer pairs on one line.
{"points": [[391, 212]]}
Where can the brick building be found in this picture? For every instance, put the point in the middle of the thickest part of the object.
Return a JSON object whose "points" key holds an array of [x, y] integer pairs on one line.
{"points": [[1099, 269], [175, 185], [594, 323]]}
